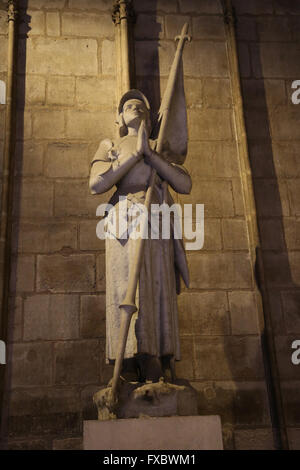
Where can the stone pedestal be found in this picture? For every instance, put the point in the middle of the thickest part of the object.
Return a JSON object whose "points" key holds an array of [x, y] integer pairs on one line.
{"points": [[158, 399], [172, 433]]}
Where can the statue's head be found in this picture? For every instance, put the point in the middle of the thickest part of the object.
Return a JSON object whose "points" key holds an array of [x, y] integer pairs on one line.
{"points": [[133, 108]]}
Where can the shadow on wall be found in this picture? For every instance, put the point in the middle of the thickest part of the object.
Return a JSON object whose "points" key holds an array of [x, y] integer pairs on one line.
{"points": [[267, 121]]}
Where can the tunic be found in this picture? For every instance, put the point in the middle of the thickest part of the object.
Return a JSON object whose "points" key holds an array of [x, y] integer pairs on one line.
{"points": [[154, 327]]}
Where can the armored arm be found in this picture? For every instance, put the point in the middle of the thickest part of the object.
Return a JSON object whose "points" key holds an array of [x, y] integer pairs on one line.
{"points": [[176, 175], [106, 171]]}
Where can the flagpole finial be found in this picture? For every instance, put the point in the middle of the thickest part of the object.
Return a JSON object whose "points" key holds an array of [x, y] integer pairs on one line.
{"points": [[183, 35]]}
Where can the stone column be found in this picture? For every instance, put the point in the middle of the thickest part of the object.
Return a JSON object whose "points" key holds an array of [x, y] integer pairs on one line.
{"points": [[124, 17]]}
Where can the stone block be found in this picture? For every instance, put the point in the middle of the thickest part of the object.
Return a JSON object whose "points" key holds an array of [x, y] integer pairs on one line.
{"points": [[57, 4], [212, 235], [72, 443], [92, 316], [22, 274], [228, 357], [184, 432], [52, 23], [205, 59], [61, 91], [167, 6], [243, 313], [286, 155], [174, 24], [101, 272], [254, 439], [244, 59], [36, 199], [264, 93], [33, 88], [294, 438], [204, 313], [284, 351], [210, 124], [257, 124], [283, 7], [273, 29], [3, 54], [291, 232], [51, 317], [272, 197], [152, 60], [100, 5], [149, 27], [92, 92], [3, 22], [31, 364], [251, 405], [59, 274], [44, 401], [88, 240], [278, 269], [90, 125], [217, 93], [66, 160], [246, 29], [279, 60], [185, 367], [193, 92], [23, 125], [33, 237], [208, 27], [220, 270], [29, 156], [28, 444], [75, 200], [48, 124], [210, 7], [32, 23], [51, 56], [272, 234], [290, 303], [208, 193], [235, 234], [15, 319], [76, 362], [294, 25], [67, 423], [108, 57], [253, 7], [88, 25], [276, 311], [238, 403], [294, 193], [290, 396], [261, 158], [285, 123]]}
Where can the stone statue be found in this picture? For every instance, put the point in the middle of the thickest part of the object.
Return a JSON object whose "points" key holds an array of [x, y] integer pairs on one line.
{"points": [[143, 273], [153, 335]]}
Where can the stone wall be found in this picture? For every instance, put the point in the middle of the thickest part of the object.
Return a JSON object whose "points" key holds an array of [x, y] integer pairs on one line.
{"points": [[66, 105]]}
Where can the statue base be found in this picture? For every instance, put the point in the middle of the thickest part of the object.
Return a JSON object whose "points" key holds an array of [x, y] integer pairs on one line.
{"points": [[136, 400], [172, 433]]}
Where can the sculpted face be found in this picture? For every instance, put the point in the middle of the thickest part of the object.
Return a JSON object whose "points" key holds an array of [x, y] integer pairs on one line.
{"points": [[134, 111]]}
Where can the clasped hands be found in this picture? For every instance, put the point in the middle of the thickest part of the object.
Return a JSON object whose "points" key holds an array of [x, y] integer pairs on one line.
{"points": [[143, 148]]}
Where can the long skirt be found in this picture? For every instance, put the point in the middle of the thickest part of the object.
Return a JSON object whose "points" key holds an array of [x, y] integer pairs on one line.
{"points": [[154, 327]]}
